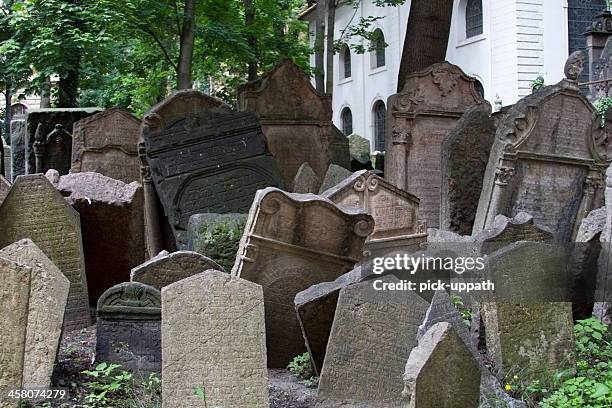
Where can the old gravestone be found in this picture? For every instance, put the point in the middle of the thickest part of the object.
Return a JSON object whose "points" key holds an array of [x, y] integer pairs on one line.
{"points": [[306, 180], [291, 242], [465, 154], [128, 327], [18, 132], [53, 150], [34, 209], [603, 289], [112, 225], [441, 353], [382, 328], [8, 166], [107, 143], [48, 119], [217, 236], [5, 187], [46, 304], [205, 161], [296, 120], [167, 268], [213, 338], [419, 119], [335, 174], [540, 166], [359, 148]]}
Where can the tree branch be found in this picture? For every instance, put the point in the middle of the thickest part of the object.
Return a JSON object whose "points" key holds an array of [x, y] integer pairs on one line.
{"points": [[158, 41]]}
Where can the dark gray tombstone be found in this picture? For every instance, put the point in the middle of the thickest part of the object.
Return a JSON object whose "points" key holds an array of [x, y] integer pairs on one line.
{"points": [[18, 132]]}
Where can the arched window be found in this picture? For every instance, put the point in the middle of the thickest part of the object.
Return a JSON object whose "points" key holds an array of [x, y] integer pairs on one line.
{"points": [[19, 111], [473, 18], [345, 62], [347, 121], [378, 49], [379, 112], [479, 88]]}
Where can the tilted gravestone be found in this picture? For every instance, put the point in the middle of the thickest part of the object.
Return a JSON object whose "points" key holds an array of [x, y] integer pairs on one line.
{"points": [[306, 180], [128, 328], [441, 353], [538, 164], [419, 119], [207, 161], [107, 143], [382, 326], [465, 154], [335, 174], [217, 236], [291, 242], [48, 119], [296, 120], [213, 339], [5, 187], [46, 304], [18, 132], [34, 209], [167, 268], [112, 225]]}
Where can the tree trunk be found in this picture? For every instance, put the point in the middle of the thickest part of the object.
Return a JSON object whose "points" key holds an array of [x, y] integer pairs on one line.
{"points": [[68, 85], [426, 36], [249, 13], [320, 46], [186, 50], [45, 94], [329, 52]]}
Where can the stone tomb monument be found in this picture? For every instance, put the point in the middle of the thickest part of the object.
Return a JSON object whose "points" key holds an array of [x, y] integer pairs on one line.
{"points": [[205, 161], [291, 242], [34, 209], [296, 120], [128, 327], [46, 303], [18, 131], [107, 143], [419, 119], [213, 337], [167, 268]]}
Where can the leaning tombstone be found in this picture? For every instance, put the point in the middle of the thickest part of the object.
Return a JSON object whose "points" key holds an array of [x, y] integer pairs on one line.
{"points": [[167, 268], [107, 143], [335, 174], [34, 209], [382, 326], [306, 180], [213, 340], [46, 304], [5, 187], [18, 132], [419, 119], [128, 328], [291, 242]]}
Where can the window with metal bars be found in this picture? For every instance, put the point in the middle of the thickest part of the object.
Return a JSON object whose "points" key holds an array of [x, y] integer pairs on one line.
{"points": [[345, 61], [380, 113], [379, 49], [473, 18], [347, 121]]}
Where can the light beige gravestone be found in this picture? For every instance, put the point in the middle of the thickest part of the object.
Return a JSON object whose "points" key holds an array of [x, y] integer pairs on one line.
{"points": [[335, 174], [5, 186], [419, 119], [167, 268], [34, 209], [213, 338], [291, 242], [14, 300], [47, 302], [106, 143]]}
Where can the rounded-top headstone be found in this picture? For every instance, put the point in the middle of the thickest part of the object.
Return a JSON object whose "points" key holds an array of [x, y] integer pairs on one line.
{"points": [[130, 300]]}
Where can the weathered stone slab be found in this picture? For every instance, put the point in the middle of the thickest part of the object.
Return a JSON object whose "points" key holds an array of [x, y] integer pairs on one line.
{"points": [[419, 119], [603, 288], [46, 304], [112, 224], [395, 211], [5, 187], [107, 143], [167, 268], [306, 180], [213, 337], [359, 148], [442, 372], [217, 236], [465, 154], [48, 119], [296, 120], [538, 165], [382, 328], [335, 174], [18, 131], [209, 161], [291, 242], [7, 163], [128, 328], [34, 209]]}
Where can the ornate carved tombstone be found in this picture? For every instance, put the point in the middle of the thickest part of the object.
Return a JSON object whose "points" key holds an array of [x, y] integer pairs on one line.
{"points": [[419, 118], [548, 159], [296, 120], [206, 160], [107, 143], [128, 327], [291, 242], [34, 209]]}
